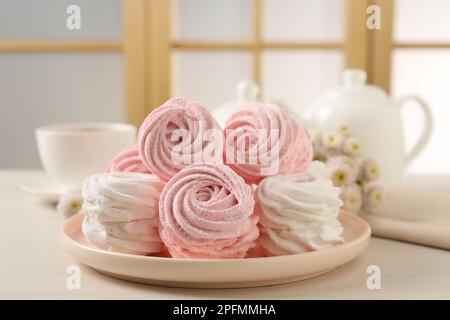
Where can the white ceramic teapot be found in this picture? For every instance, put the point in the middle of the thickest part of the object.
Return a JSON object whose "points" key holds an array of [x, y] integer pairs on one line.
{"points": [[374, 118], [246, 92]]}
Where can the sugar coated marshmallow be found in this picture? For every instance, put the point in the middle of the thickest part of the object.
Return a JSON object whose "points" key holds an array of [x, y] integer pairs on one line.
{"points": [[206, 211], [192, 190], [298, 212], [263, 140], [121, 212], [127, 161], [179, 133]]}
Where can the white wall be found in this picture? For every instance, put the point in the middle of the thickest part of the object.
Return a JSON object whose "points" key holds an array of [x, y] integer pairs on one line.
{"points": [[424, 72], [295, 77], [46, 19], [39, 89], [44, 88]]}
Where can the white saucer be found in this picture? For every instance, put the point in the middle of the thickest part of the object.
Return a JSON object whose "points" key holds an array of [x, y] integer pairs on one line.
{"points": [[44, 189], [217, 273]]}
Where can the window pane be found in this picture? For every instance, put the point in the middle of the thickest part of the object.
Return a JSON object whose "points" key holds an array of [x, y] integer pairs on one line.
{"points": [[303, 20], [429, 78], [422, 21], [209, 77], [46, 20], [38, 89], [298, 78], [213, 20]]}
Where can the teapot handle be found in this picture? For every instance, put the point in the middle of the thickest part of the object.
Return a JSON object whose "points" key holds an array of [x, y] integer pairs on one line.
{"points": [[426, 132]]}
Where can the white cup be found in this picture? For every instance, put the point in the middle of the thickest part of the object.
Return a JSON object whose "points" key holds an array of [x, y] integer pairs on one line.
{"points": [[71, 152]]}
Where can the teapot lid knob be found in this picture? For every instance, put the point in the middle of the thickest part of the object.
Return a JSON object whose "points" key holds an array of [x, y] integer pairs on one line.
{"points": [[354, 77], [247, 90]]}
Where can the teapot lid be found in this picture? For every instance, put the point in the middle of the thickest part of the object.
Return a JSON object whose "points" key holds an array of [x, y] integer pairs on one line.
{"points": [[355, 88], [246, 92]]}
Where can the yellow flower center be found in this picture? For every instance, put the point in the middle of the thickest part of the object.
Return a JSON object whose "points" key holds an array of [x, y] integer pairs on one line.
{"points": [[373, 171], [340, 177], [75, 206], [378, 196]]}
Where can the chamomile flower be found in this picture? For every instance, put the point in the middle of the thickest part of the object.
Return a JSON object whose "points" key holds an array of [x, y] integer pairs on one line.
{"points": [[332, 139], [340, 161], [341, 175], [315, 134], [336, 160], [373, 195], [369, 170], [351, 147], [351, 196], [69, 204], [344, 130]]}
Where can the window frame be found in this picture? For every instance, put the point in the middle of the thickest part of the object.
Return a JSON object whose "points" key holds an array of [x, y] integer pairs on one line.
{"points": [[147, 47]]}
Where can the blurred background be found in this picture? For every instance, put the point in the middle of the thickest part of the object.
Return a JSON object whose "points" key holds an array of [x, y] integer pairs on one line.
{"points": [[131, 55]]}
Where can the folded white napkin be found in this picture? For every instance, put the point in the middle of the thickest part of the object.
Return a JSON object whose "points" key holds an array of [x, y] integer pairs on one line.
{"points": [[414, 214]]}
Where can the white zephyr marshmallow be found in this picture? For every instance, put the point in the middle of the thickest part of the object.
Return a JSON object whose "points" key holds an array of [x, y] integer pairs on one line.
{"points": [[121, 212], [298, 212]]}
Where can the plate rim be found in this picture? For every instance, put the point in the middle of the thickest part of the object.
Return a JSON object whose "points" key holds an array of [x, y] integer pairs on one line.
{"points": [[364, 236]]}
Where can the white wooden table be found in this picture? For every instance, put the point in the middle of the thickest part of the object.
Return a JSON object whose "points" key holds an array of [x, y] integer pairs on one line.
{"points": [[33, 264]]}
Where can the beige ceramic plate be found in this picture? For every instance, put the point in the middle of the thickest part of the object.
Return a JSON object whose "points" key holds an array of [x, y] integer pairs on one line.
{"points": [[223, 273]]}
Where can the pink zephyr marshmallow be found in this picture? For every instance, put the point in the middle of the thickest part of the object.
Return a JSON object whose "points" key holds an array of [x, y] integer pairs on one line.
{"points": [[206, 211], [174, 136], [264, 140], [127, 160]]}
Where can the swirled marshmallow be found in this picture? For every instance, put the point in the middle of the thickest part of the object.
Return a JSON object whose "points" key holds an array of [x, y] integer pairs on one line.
{"points": [[179, 133], [298, 212], [263, 140], [121, 212], [127, 161], [206, 211]]}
